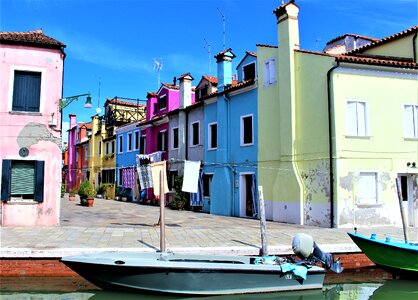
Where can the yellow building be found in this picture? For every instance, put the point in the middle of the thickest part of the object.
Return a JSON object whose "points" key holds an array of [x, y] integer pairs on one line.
{"points": [[336, 130], [102, 143]]}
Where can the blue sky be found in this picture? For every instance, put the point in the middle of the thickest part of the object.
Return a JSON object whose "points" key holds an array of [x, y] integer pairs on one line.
{"points": [[115, 42]]}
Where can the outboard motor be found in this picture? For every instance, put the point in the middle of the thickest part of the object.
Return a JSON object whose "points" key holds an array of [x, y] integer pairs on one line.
{"points": [[305, 247]]}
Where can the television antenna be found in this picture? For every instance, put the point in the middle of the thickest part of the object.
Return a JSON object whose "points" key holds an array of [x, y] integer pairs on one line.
{"points": [[158, 65], [223, 24], [98, 109], [207, 47]]}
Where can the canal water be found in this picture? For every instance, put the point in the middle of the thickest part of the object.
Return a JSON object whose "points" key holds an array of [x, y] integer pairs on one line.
{"points": [[369, 283]]}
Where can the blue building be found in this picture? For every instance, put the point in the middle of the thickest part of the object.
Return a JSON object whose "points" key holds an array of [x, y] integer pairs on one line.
{"points": [[230, 153], [128, 139]]}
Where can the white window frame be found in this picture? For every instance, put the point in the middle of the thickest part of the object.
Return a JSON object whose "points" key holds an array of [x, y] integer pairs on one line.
{"points": [[145, 143], [210, 129], [242, 130], [270, 72], [164, 132], [255, 70], [137, 140], [129, 139], [158, 102], [172, 138], [357, 120], [192, 134], [11, 87], [410, 123], [364, 199], [120, 144]]}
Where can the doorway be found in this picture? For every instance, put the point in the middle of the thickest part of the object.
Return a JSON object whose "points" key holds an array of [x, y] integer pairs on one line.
{"points": [[248, 200], [409, 198]]}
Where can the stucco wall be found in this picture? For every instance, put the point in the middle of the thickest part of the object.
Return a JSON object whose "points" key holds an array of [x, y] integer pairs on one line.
{"points": [[32, 130]]}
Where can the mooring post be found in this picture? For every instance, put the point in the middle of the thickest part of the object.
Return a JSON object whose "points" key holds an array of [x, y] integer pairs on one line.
{"points": [[405, 228], [264, 250], [162, 215]]}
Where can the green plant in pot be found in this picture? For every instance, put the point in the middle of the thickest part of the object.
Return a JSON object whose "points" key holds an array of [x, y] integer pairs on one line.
{"points": [[71, 196], [86, 192], [180, 200]]}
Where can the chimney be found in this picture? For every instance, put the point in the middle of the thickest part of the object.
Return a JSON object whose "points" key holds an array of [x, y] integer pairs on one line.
{"points": [[185, 90], [288, 25], [72, 120], [224, 63]]}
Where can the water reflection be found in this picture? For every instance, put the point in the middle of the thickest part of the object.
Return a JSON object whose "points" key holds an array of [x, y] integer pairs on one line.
{"points": [[367, 284]]}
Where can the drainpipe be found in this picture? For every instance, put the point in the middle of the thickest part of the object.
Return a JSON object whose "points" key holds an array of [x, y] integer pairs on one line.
{"points": [[232, 171], [331, 168], [413, 46], [186, 151]]}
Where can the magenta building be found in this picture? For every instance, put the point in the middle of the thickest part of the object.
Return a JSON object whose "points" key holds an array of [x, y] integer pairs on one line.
{"points": [[31, 76]]}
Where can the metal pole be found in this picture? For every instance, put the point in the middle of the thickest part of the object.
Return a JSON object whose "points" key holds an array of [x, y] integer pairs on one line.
{"points": [[264, 250], [405, 228], [162, 217]]}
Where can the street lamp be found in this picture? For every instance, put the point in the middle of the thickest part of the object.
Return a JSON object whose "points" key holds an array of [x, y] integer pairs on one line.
{"points": [[64, 102]]}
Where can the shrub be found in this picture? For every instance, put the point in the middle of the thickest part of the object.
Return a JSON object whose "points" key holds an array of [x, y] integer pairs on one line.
{"points": [[86, 190], [73, 192]]}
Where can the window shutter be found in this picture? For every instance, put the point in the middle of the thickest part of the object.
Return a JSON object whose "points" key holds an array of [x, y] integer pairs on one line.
{"points": [[26, 91], [39, 181], [408, 121], [5, 179], [351, 121], [272, 70], [361, 118], [266, 73]]}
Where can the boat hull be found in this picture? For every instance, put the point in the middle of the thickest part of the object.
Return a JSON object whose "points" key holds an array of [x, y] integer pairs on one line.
{"points": [[195, 275], [394, 257]]}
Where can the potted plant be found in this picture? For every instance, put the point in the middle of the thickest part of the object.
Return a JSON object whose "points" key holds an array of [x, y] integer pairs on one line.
{"points": [[71, 196], [86, 192], [101, 190], [180, 200]]}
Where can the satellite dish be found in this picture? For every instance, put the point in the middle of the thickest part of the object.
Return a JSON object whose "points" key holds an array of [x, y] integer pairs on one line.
{"points": [[98, 110]]}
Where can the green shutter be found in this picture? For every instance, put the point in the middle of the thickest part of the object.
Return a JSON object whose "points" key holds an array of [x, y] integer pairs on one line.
{"points": [[5, 179], [23, 178], [39, 180]]}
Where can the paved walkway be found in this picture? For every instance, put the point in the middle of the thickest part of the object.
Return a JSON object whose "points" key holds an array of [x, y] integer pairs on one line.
{"points": [[122, 226]]}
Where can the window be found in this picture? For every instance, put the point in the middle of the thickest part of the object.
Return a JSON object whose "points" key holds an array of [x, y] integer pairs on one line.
{"points": [[26, 91], [108, 176], [207, 179], [129, 142], [410, 123], [99, 148], [120, 177], [120, 144], [195, 133], [113, 147], [107, 149], [162, 141], [213, 135], [247, 130], [22, 180], [86, 152], [175, 139], [171, 179], [142, 145], [203, 91], [162, 102], [356, 123], [269, 72], [367, 188], [249, 71], [136, 140]]}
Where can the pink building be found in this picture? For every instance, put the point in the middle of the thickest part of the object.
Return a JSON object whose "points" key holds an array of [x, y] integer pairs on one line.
{"points": [[31, 73]]}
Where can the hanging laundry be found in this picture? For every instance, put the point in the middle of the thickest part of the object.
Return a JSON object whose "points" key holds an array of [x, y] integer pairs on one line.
{"points": [[191, 176], [156, 168], [145, 176], [128, 178], [196, 199]]}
